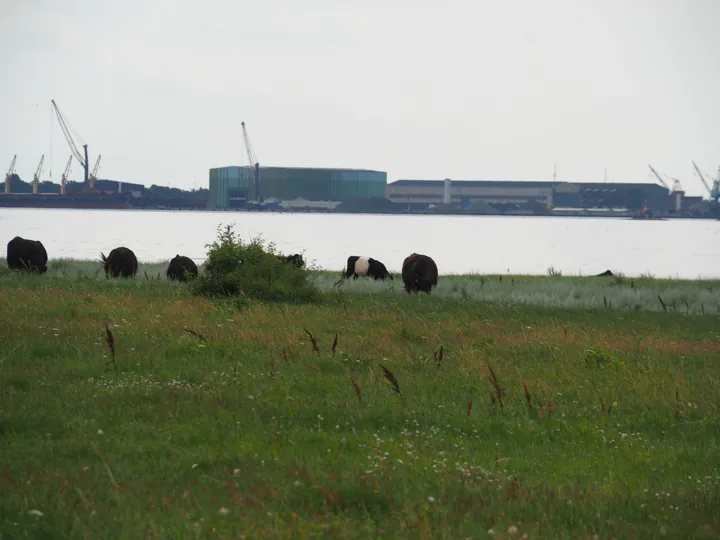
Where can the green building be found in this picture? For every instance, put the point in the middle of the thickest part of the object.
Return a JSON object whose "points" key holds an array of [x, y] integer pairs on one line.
{"points": [[229, 182], [231, 186]]}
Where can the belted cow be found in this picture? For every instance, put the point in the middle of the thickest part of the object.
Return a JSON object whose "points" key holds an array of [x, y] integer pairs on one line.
{"points": [[120, 262], [419, 273], [365, 267], [24, 254], [182, 268]]}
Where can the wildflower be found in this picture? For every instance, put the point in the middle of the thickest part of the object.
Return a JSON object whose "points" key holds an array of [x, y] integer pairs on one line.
{"points": [[512, 529], [431, 499], [37, 513], [224, 511]]}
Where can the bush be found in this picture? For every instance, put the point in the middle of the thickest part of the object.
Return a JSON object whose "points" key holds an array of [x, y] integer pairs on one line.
{"points": [[252, 271]]}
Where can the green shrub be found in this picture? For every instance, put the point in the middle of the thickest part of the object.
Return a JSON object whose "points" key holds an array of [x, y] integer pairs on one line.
{"points": [[253, 271], [600, 358]]}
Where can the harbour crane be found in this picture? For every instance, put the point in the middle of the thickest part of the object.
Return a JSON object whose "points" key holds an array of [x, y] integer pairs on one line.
{"points": [[66, 172], [715, 190], [9, 175], [676, 184], [36, 178], [93, 174], [676, 190], [71, 143], [252, 162]]}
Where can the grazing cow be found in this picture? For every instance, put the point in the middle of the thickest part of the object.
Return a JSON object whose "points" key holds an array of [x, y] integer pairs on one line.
{"points": [[182, 268], [605, 273], [365, 267], [296, 259], [419, 273], [24, 254], [120, 262]]}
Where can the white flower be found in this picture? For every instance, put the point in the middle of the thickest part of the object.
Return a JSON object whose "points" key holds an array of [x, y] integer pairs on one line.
{"points": [[37, 513]]}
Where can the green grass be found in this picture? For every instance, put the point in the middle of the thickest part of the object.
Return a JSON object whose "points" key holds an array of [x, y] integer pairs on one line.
{"points": [[247, 430], [642, 293]]}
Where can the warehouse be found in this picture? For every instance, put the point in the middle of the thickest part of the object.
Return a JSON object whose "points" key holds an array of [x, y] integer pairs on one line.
{"points": [[631, 196], [231, 187], [467, 191]]}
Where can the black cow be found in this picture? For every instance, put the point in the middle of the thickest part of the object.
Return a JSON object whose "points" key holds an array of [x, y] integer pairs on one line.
{"points": [[605, 273], [24, 254], [296, 259], [419, 273], [365, 267], [182, 268], [121, 262]]}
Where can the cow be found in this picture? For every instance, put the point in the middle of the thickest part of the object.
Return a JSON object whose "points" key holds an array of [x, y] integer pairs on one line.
{"points": [[181, 268], [605, 273], [419, 273], [24, 254], [295, 259], [365, 267], [120, 262]]}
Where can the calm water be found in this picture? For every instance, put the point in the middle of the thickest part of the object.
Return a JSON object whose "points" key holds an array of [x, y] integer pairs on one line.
{"points": [[459, 244]]}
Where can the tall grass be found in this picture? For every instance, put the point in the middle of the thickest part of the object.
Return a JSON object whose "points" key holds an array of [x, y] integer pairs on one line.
{"points": [[377, 414]]}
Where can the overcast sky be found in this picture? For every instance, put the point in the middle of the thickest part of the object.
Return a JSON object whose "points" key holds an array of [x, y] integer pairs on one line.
{"points": [[421, 89]]}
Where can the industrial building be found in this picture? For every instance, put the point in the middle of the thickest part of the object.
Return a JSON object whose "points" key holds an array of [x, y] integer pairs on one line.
{"points": [[233, 187], [631, 196], [466, 191]]}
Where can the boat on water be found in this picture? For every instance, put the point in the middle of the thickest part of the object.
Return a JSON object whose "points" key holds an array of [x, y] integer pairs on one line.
{"points": [[54, 200]]}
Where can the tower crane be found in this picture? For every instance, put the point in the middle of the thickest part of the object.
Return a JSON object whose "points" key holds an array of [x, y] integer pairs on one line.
{"points": [[63, 181], [9, 175], [715, 190], [73, 148], [252, 162], [93, 174], [36, 178]]}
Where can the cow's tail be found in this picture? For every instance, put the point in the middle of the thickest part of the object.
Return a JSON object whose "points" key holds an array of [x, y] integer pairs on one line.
{"points": [[103, 258], [341, 280]]}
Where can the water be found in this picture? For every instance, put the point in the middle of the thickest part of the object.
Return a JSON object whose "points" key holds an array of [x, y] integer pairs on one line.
{"points": [[459, 244]]}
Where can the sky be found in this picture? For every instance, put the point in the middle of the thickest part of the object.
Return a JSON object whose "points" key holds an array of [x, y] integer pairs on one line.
{"points": [[421, 89]]}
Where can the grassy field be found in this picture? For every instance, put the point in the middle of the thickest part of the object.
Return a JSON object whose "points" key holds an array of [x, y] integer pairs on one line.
{"points": [[624, 293], [521, 407]]}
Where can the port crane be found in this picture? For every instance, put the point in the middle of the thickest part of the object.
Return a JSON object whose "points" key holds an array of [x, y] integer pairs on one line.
{"points": [[93, 174], [71, 143], [36, 177], [66, 172], [715, 190], [676, 190], [9, 175], [252, 162], [676, 184]]}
